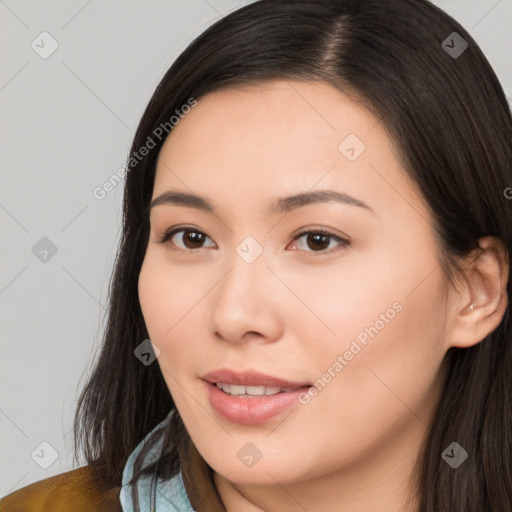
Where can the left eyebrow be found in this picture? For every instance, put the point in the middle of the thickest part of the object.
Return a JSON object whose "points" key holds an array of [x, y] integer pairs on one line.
{"points": [[281, 205], [287, 204]]}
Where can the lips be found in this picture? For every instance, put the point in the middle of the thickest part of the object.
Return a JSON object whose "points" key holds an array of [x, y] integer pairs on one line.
{"points": [[224, 389], [250, 378], [251, 411]]}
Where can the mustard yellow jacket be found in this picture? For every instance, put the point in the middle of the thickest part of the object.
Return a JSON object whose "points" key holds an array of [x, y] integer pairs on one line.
{"points": [[73, 491]]}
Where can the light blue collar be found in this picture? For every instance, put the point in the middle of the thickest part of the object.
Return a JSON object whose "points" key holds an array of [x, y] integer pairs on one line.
{"points": [[171, 495]]}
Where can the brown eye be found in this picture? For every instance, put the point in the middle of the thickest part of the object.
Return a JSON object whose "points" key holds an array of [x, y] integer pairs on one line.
{"points": [[191, 238], [318, 241]]}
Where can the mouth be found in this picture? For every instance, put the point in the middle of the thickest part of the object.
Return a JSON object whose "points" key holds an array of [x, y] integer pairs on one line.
{"points": [[251, 398]]}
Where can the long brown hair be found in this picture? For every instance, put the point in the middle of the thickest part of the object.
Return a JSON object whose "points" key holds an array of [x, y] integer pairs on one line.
{"points": [[452, 126]]}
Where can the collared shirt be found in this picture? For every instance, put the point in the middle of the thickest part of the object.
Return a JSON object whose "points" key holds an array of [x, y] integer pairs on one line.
{"points": [[168, 496]]}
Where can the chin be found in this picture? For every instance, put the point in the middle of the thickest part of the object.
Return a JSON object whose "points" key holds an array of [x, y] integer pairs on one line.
{"points": [[261, 474]]}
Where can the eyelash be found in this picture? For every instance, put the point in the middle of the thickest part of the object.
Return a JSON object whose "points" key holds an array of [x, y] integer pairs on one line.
{"points": [[343, 242]]}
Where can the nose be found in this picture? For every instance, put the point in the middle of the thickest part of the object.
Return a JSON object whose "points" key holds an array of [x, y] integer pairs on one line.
{"points": [[245, 304]]}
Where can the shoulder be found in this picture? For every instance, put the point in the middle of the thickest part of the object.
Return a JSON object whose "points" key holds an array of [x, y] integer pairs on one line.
{"points": [[78, 490]]}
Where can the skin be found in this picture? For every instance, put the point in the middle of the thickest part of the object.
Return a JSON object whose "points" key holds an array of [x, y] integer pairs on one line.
{"points": [[294, 310]]}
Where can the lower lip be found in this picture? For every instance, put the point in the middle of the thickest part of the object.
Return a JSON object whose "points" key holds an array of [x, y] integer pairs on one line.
{"points": [[252, 411]]}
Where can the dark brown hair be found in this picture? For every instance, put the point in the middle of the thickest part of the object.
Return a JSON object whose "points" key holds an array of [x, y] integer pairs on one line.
{"points": [[451, 124]]}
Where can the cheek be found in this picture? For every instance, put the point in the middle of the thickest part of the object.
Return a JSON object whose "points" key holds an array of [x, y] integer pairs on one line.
{"points": [[167, 293], [153, 301], [383, 358], [170, 302], [388, 300]]}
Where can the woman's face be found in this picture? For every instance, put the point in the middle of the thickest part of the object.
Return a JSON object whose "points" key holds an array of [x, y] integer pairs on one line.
{"points": [[362, 322]]}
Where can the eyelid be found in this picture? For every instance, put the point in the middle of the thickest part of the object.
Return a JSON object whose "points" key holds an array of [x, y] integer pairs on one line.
{"points": [[169, 233], [343, 242]]}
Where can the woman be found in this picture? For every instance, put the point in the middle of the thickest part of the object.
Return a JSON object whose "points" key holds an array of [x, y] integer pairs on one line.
{"points": [[309, 309]]}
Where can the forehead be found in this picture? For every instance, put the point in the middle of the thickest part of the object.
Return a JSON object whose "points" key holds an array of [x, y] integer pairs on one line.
{"points": [[295, 111], [281, 135]]}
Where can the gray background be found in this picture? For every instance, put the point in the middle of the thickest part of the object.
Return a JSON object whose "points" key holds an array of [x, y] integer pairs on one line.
{"points": [[67, 125]]}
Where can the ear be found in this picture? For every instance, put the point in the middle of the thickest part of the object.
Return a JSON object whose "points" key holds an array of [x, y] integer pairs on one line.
{"points": [[485, 286]]}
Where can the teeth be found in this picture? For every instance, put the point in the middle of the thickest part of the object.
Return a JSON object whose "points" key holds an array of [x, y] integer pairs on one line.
{"points": [[236, 390]]}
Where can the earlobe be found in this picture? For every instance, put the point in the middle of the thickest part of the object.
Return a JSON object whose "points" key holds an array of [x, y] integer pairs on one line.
{"points": [[485, 294]]}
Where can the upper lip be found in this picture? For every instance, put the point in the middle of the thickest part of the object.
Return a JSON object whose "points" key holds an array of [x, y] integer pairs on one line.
{"points": [[249, 378]]}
